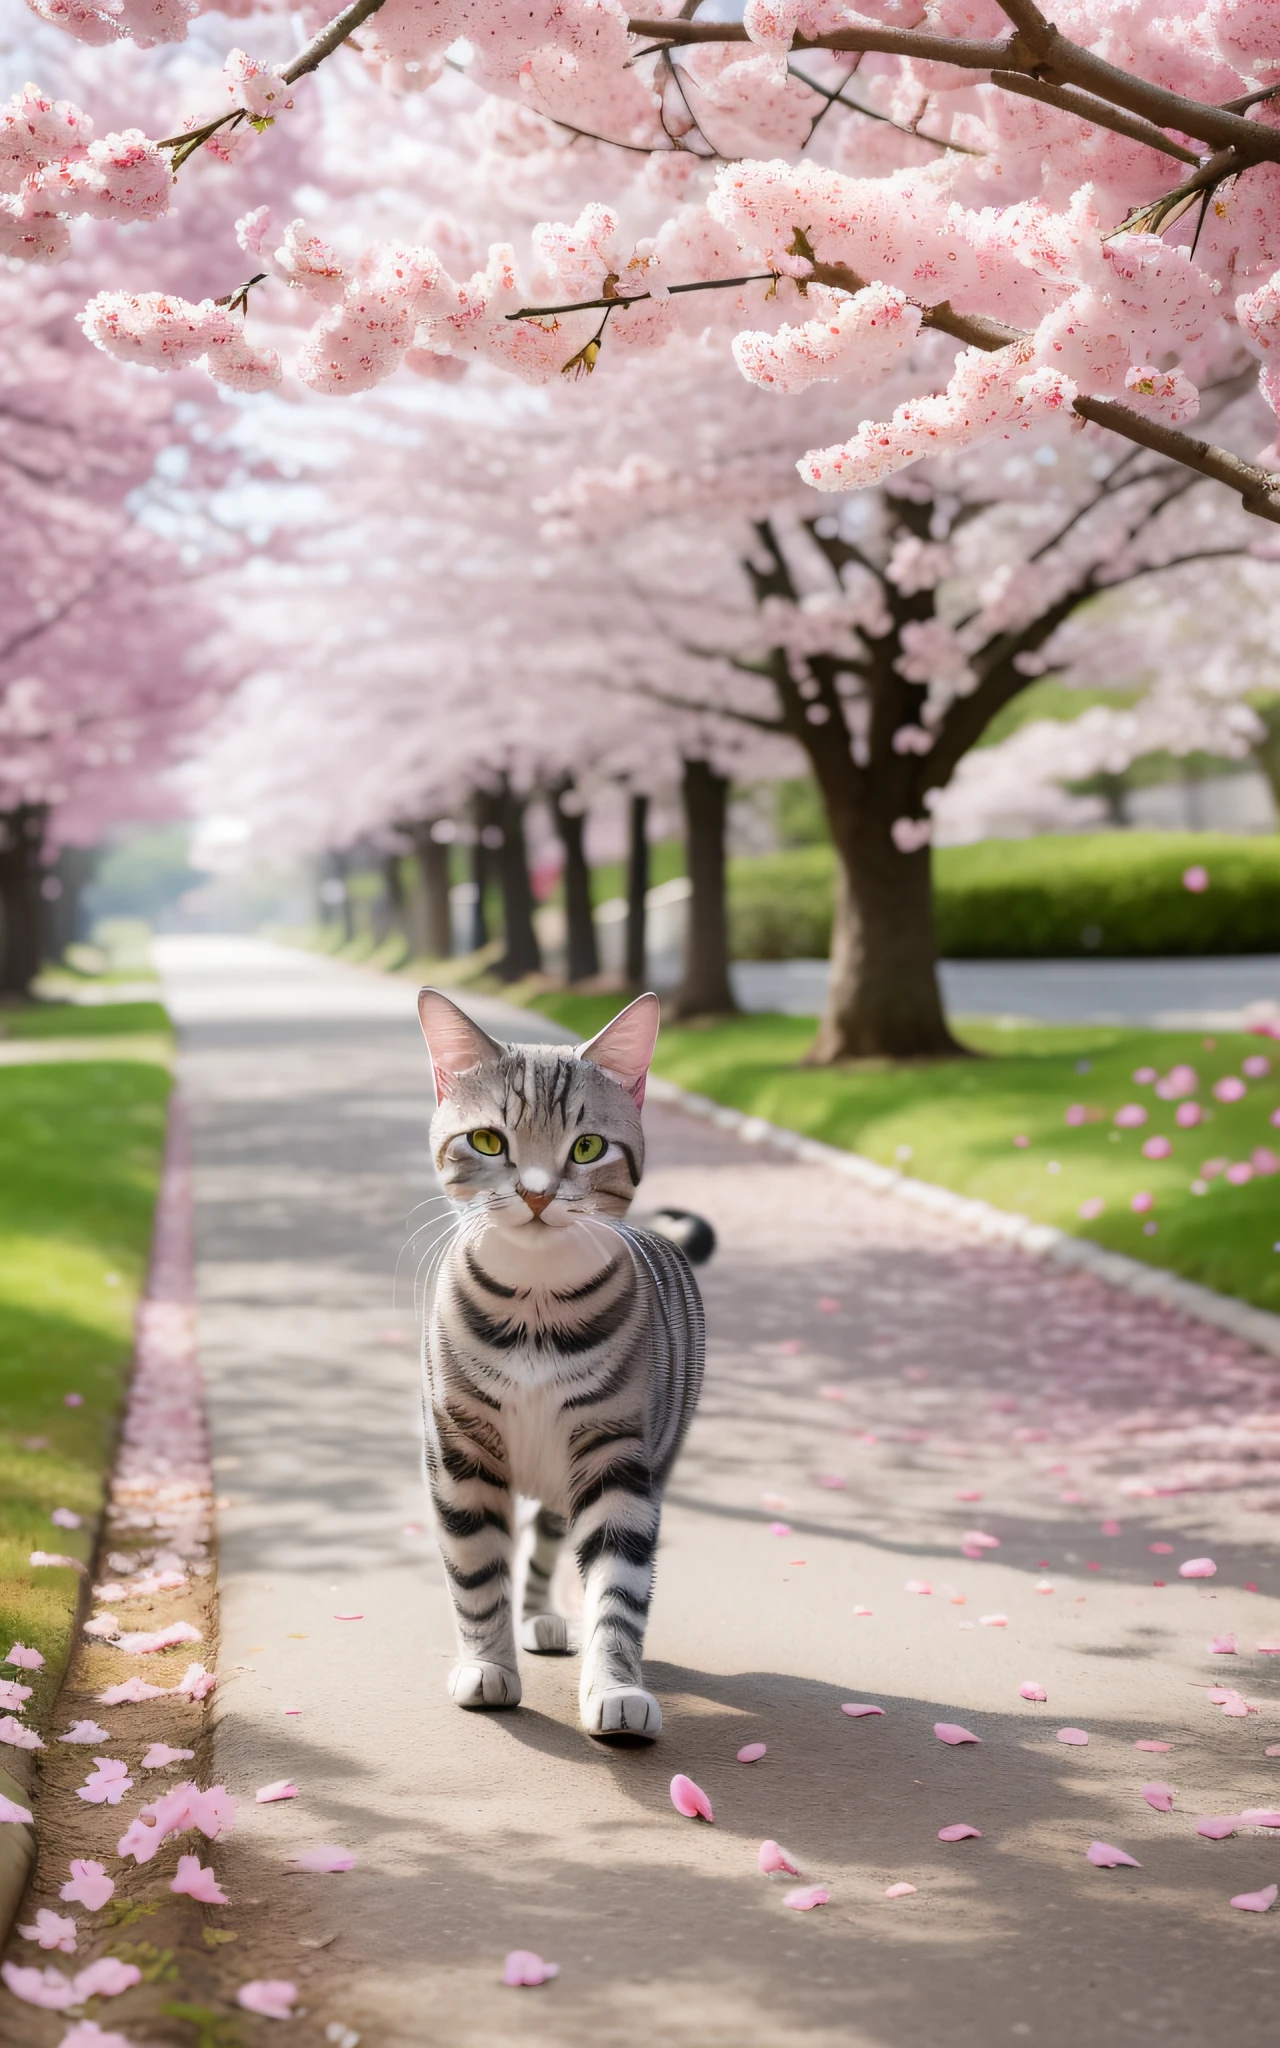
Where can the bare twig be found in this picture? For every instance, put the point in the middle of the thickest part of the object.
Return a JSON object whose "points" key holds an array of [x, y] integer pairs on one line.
{"points": [[329, 39], [1069, 100]]}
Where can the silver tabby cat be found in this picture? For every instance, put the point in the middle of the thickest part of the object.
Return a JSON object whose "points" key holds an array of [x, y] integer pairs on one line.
{"points": [[563, 1360]]}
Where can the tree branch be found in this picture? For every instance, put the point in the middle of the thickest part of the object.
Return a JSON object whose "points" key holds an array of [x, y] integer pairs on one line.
{"points": [[330, 39], [1069, 100]]}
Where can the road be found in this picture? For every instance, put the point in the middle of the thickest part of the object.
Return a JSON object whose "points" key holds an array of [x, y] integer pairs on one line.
{"points": [[879, 1384], [1172, 995]]}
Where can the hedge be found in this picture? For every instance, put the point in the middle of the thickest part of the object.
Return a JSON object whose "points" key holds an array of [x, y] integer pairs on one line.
{"points": [[1116, 894]]}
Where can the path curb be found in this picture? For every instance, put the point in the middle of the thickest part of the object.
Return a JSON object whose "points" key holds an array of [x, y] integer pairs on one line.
{"points": [[1039, 1240], [17, 1853]]}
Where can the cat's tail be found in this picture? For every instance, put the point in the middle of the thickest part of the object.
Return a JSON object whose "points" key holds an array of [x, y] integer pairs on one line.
{"points": [[693, 1234]]}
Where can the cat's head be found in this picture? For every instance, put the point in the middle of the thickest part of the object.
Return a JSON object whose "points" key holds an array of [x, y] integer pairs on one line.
{"points": [[538, 1134]]}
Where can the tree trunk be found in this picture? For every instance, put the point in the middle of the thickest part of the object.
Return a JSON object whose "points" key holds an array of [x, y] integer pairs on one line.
{"points": [[431, 923], [1267, 752], [63, 910], [391, 908], [21, 836], [583, 959], [884, 1001], [704, 987], [522, 955], [637, 888], [484, 812]]}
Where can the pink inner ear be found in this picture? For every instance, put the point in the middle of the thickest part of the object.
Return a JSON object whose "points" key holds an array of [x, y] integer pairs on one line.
{"points": [[455, 1043], [624, 1048]]}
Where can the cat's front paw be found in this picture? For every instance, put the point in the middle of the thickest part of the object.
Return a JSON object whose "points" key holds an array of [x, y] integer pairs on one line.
{"points": [[545, 1635], [484, 1685], [621, 1714]]}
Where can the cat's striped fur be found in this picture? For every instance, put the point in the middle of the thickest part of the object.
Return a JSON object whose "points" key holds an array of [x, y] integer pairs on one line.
{"points": [[563, 1358]]}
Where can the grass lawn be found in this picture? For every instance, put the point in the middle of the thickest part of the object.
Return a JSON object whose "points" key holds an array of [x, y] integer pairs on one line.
{"points": [[80, 1146], [955, 1121]]}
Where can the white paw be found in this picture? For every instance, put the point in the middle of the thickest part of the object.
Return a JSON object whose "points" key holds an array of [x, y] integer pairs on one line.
{"points": [[545, 1635], [484, 1685], [622, 1710]]}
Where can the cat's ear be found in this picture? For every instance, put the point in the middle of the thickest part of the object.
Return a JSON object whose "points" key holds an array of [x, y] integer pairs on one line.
{"points": [[455, 1043], [625, 1047]]}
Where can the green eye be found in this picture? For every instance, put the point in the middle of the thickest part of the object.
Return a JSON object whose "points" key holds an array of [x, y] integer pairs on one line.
{"points": [[487, 1142], [586, 1150]]}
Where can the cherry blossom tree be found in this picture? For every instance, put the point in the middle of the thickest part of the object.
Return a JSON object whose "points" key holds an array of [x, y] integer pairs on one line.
{"points": [[1087, 203]]}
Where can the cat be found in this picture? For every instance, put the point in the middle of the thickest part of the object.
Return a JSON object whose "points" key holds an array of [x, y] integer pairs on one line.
{"points": [[563, 1357]]}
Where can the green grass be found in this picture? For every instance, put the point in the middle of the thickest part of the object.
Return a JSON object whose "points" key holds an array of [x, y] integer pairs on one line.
{"points": [[80, 1146], [83, 1020], [959, 1119]]}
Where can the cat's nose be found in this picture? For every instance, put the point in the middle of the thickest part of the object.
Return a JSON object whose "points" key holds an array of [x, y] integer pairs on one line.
{"points": [[536, 1201]]}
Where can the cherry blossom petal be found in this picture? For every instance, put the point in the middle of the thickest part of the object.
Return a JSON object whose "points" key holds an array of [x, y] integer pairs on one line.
{"points": [[951, 1732], [160, 1754], [13, 1697], [271, 1997], [88, 1885], [25, 1659], [1031, 1690], [327, 1857], [16, 1735], [1256, 1902], [1108, 1858], [750, 1753], [1215, 1827], [993, 1621], [1158, 1796], [857, 1710], [283, 1788], [772, 1856], [899, 1891], [690, 1799], [197, 1880], [86, 1731], [1154, 1748], [980, 1539], [52, 1930], [108, 1782], [805, 1897], [919, 1586], [1261, 1816], [1077, 1738], [959, 1831], [131, 1693], [141, 1643], [106, 1978], [1222, 1646], [196, 1683], [1198, 1568], [523, 1967], [88, 2034], [48, 1988], [780, 1529]]}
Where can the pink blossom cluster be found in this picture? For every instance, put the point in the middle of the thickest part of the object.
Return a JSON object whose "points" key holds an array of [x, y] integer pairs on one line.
{"points": [[162, 333], [52, 170]]}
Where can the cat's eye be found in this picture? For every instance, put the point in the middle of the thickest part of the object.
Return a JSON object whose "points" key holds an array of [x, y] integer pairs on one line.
{"points": [[587, 1149], [487, 1142]]}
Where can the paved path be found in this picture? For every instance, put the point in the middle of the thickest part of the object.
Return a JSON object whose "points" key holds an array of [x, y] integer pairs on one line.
{"points": [[869, 1365], [1172, 995]]}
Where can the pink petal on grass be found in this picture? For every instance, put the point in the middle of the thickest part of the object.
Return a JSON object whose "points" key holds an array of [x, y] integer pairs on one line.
{"points": [[1029, 1690], [271, 1997], [1256, 1902], [1077, 1738], [951, 1732], [16, 1735], [1215, 1827], [523, 1967], [690, 1799], [13, 1697], [1154, 1748], [899, 1891], [1197, 1568], [327, 1857], [806, 1896], [1158, 1796], [25, 1659], [197, 1880], [1106, 1858], [858, 1711], [1091, 1208], [772, 1857], [959, 1831], [160, 1754], [88, 1885], [1195, 879]]}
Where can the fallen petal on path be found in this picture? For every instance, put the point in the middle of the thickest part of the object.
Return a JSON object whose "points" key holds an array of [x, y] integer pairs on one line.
{"points": [[325, 1858], [1154, 1748], [197, 1880], [52, 1930], [89, 1731], [806, 1897], [960, 1831], [1159, 1797], [1076, 1737], [690, 1799], [1215, 1827], [1198, 1568], [1256, 1902], [899, 1891], [1107, 1858], [857, 1711], [271, 1997], [772, 1856], [283, 1788], [160, 1754], [88, 1884], [47, 1988], [1029, 1690], [951, 1732], [523, 1967]]}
